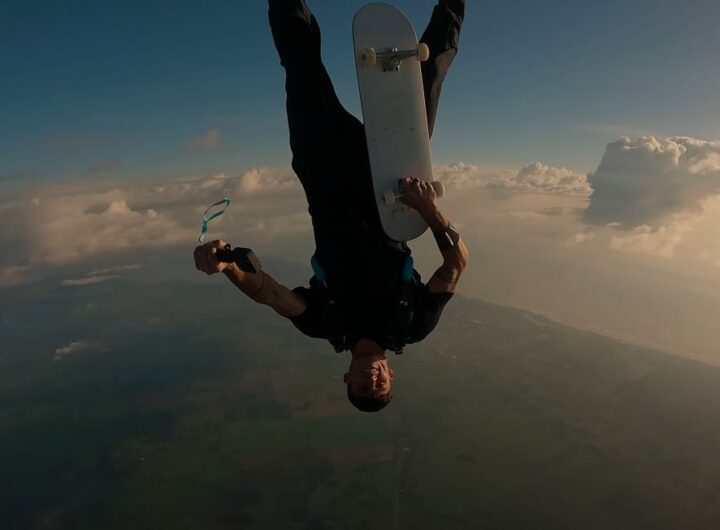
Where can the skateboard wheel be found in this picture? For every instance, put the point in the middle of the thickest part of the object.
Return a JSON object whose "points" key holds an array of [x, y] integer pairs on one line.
{"points": [[439, 188], [389, 198], [369, 57], [423, 52]]}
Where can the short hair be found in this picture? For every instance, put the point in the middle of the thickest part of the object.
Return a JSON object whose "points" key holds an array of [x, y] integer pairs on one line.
{"points": [[373, 403]]}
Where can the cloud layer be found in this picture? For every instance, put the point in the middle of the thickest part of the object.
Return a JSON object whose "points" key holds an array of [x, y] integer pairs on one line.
{"points": [[649, 196], [71, 224], [533, 178]]}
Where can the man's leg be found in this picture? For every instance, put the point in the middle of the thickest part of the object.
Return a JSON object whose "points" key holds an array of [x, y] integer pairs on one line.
{"points": [[321, 130], [442, 36], [316, 117]]}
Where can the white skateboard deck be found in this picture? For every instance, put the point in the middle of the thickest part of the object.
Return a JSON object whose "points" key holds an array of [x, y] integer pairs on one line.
{"points": [[393, 106]]}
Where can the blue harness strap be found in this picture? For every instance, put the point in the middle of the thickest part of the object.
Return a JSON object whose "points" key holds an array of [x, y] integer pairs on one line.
{"points": [[407, 272], [318, 270]]}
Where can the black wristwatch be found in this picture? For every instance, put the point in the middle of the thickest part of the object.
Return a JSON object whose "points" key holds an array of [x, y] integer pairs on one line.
{"points": [[448, 238]]}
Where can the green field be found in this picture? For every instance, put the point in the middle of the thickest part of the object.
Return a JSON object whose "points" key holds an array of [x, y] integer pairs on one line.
{"points": [[204, 413]]}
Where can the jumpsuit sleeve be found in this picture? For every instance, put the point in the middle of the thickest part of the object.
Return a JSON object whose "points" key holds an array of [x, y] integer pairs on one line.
{"points": [[310, 322]]}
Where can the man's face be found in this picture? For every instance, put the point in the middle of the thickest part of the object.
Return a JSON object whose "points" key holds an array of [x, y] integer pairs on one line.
{"points": [[369, 375]]}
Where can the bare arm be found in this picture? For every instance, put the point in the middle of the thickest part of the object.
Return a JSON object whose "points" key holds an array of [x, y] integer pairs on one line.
{"points": [[421, 196], [264, 289], [457, 255], [258, 286], [455, 259]]}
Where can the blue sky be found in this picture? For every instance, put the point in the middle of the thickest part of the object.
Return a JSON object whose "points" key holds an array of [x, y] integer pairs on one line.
{"points": [[93, 86]]}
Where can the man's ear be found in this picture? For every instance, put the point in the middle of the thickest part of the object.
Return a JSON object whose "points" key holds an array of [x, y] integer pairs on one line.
{"points": [[346, 378], [391, 373]]}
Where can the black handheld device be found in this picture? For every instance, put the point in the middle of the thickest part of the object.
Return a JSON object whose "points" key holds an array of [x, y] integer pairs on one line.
{"points": [[244, 258]]}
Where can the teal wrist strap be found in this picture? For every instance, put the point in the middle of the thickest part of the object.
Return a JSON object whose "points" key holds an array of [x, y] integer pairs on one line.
{"points": [[206, 220]]}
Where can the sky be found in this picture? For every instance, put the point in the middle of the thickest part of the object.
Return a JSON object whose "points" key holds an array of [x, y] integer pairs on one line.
{"points": [[578, 142], [157, 89]]}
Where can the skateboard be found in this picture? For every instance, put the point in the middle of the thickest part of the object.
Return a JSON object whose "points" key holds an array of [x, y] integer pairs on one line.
{"points": [[387, 59]]}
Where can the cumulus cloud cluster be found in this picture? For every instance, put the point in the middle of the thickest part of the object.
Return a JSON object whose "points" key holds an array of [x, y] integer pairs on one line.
{"points": [[73, 227], [642, 182], [658, 197], [532, 178], [262, 180]]}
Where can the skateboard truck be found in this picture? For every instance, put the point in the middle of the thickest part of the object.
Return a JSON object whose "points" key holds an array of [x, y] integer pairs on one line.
{"points": [[390, 197], [392, 57]]}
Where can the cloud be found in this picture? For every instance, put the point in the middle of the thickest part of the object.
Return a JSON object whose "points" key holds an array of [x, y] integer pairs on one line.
{"points": [[74, 347], [74, 226], [105, 166], [90, 280], [75, 222], [209, 140], [551, 179], [522, 214], [264, 179], [580, 237], [647, 181], [689, 235], [292, 224], [533, 178], [462, 176], [114, 270], [100, 276], [562, 211], [13, 275]]}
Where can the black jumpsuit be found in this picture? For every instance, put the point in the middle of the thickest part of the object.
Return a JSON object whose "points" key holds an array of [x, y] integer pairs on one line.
{"points": [[329, 150]]}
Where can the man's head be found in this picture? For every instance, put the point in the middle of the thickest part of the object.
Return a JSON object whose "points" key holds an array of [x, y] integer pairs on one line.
{"points": [[369, 377]]}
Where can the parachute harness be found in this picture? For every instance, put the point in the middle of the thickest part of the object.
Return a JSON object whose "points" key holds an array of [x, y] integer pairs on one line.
{"points": [[401, 317]]}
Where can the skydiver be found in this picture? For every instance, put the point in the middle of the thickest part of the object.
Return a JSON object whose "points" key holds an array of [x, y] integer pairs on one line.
{"points": [[363, 306]]}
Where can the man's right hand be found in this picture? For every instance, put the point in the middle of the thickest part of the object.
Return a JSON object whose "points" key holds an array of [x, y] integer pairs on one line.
{"points": [[418, 194], [206, 257]]}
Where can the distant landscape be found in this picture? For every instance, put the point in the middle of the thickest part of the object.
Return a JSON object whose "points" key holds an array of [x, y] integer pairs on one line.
{"points": [[183, 409]]}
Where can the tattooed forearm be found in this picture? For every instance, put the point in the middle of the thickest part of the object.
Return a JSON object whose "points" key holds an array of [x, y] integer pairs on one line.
{"points": [[447, 277]]}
